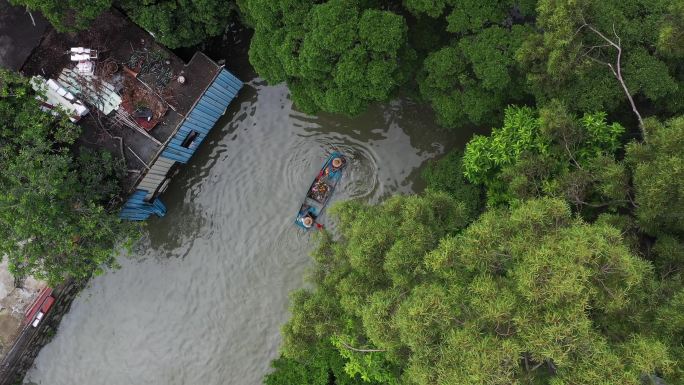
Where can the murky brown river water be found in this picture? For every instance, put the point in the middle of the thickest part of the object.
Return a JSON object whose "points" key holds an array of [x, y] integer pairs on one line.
{"points": [[203, 299]]}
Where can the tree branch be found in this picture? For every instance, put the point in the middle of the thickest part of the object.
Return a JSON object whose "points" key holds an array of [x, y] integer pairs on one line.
{"points": [[361, 350], [586, 53], [599, 205], [31, 15], [567, 149], [615, 69]]}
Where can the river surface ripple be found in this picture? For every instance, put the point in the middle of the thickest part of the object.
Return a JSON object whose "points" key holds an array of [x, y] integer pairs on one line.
{"points": [[203, 298]]}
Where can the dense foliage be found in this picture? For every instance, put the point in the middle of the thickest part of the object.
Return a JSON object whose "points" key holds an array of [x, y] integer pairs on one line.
{"points": [[181, 23], [572, 275], [568, 60], [325, 367], [659, 177], [408, 294], [474, 78], [336, 56], [67, 15], [470, 59], [447, 175], [554, 153], [550, 252], [475, 74], [54, 221], [174, 23], [549, 153]]}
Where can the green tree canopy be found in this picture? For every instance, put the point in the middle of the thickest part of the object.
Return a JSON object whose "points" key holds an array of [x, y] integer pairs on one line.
{"points": [[473, 77], [174, 23], [180, 23], [54, 221], [446, 175], [468, 59], [340, 56], [472, 80], [672, 31], [568, 59], [658, 168], [67, 15], [410, 295], [326, 367], [550, 152], [336, 56]]}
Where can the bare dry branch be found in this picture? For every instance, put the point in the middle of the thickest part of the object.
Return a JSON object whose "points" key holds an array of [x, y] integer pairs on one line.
{"points": [[595, 47], [616, 68], [31, 15], [362, 350], [572, 157]]}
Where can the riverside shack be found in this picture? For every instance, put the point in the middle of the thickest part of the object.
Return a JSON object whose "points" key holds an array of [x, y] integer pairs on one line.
{"points": [[145, 104], [194, 115]]}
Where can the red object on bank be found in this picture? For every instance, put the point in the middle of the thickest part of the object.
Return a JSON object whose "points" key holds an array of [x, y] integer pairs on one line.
{"points": [[40, 307]]}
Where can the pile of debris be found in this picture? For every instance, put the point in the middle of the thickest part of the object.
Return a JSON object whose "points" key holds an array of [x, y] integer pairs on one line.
{"points": [[144, 107], [80, 80], [153, 67], [110, 87], [53, 96]]}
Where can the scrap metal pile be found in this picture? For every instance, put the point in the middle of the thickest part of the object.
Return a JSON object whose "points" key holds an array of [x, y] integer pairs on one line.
{"points": [[152, 66]]}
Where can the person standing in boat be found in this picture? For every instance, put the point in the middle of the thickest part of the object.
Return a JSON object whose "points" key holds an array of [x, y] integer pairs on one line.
{"points": [[334, 166], [308, 221], [337, 163]]}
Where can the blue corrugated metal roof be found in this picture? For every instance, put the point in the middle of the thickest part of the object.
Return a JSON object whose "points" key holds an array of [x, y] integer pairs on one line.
{"points": [[201, 119], [203, 116], [137, 209]]}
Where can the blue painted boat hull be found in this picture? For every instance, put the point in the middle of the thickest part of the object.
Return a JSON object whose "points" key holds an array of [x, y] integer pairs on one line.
{"points": [[314, 201]]}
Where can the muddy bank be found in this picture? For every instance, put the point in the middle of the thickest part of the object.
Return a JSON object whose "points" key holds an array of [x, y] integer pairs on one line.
{"points": [[20, 32], [30, 340], [15, 299]]}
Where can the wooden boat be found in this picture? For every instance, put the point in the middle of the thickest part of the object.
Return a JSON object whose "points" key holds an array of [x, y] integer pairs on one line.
{"points": [[320, 191]]}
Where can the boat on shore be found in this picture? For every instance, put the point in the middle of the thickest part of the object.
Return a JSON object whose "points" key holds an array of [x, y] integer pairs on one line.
{"points": [[42, 304], [320, 191]]}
